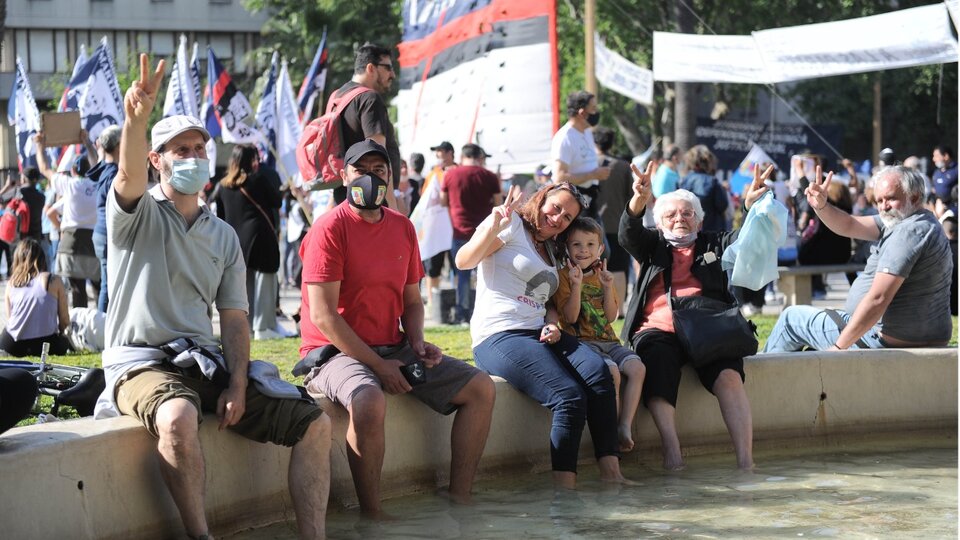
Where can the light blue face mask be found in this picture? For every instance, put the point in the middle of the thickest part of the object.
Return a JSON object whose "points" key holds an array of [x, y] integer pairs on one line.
{"points": [[188, 176]]}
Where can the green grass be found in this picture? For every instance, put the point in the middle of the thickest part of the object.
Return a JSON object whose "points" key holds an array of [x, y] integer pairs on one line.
{"points": [[453, 340]]}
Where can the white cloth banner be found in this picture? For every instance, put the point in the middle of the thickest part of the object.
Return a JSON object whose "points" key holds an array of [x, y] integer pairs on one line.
{"points": [[905, 38], [909, 37], [621, 75], [701, 58]]}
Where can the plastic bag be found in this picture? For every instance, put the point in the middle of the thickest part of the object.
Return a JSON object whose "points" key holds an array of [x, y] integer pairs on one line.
{"points": [[753, 256]]}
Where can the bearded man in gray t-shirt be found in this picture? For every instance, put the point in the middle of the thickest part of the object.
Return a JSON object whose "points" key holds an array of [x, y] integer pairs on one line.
{"points": [[902, 298]]}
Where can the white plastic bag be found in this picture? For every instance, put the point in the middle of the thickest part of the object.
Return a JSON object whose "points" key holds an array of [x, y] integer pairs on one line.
{"points": [[753, 256]]}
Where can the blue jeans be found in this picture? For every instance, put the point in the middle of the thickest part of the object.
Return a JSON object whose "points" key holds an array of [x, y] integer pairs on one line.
{"points": [[100, 248], [569, 378], [807, 326], [464, 307]]}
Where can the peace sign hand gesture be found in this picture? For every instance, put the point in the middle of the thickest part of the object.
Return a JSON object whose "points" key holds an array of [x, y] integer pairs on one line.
{"points": [[817, 190], [606, 276], [575, 273], [502, 213], [757, 187], [140, 98], [642, 189]]}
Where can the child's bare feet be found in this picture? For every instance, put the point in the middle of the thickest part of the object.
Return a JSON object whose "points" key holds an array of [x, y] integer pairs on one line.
{"points": [[626, 438]]}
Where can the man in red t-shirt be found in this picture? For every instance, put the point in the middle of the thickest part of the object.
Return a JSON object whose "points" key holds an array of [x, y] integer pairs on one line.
{"points": [[471, 192], [364, 330]]}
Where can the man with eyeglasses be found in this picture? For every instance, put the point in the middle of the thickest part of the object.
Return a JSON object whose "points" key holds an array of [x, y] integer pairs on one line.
{"points": [[365, 116]]}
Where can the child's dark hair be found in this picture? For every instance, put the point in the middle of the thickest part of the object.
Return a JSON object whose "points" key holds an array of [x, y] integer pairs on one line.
{"points": [[584, 224]]}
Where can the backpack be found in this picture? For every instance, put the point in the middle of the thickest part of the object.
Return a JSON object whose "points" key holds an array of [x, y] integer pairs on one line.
{"points": [[320, 150], [15, 221]]}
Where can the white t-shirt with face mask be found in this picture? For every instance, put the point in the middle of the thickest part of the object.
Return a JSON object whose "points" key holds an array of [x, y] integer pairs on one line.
{"points": [[513, 285]]}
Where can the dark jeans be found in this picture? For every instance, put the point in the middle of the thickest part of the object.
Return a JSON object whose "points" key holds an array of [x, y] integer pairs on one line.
{"points": [[569, 378]]}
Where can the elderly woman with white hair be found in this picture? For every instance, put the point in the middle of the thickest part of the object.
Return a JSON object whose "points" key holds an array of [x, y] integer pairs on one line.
{"points": [[677, 256]]}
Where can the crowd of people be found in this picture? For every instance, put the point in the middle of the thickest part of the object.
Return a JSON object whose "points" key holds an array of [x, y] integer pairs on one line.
{"points": [[553, 260]]}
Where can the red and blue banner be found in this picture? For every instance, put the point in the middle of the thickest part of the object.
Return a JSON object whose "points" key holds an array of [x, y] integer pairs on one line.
{"points": [[480, 71], [228, 104]]}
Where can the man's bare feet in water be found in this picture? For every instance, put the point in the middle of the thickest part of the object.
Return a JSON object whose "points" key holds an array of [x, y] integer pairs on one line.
{"points": [[626, 438]]}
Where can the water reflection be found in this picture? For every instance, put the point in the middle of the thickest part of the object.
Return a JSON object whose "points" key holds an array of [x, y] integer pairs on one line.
{"points": [[842, 495]]}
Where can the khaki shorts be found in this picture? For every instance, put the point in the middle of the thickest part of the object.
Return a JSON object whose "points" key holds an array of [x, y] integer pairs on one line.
{"points": [[342, 377], [265, 419], [612, 351]]}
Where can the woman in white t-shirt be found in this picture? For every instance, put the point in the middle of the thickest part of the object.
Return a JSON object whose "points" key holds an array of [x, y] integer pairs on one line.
{"points": [[516, 337]]}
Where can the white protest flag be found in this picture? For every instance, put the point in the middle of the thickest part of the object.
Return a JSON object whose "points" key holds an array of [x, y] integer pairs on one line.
{"points": [[621, 75], [23, 115], [431, 219], [101, 102], [288, 125], [229, 104], [266, 116], [195, 76], [181, 94], [903, 38]]}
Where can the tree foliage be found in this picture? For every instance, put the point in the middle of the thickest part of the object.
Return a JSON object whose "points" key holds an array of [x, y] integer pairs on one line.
{"points": [[296, 26]]}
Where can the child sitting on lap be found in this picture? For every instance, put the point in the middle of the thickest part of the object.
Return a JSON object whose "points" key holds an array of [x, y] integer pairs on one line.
{"points": [[587, 301]]}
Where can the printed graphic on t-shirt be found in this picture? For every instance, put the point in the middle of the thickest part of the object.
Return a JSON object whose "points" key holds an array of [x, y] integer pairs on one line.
{"points": [[541, 285]]}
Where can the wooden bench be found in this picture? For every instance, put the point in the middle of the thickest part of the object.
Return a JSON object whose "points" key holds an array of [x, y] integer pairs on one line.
{"points": [[796, 281]]}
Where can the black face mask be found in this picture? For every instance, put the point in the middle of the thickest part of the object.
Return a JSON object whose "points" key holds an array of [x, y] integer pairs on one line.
{"points": [[367, 192], [594, 118]]}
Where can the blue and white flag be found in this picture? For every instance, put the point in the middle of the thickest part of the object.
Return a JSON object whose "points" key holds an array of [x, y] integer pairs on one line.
{"points": [[267, 116], [69, 100], [181, 93], [23, 115], [288, 126], [100, 101], [314, 81], [195, 73], [743, 176]]}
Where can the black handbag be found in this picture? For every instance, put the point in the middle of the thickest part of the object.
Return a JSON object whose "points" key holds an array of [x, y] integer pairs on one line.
{"points": [[709, 329]]}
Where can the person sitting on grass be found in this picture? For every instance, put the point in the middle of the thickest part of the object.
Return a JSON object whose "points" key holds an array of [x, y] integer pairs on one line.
{"points": [[587, 301], [36, 303]]}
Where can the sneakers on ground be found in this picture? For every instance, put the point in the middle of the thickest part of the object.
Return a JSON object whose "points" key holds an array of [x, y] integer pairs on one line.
{"points": [[749, 310]]}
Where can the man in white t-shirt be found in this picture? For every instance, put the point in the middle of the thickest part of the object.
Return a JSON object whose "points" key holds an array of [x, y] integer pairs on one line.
{"points": [[573, 152]]}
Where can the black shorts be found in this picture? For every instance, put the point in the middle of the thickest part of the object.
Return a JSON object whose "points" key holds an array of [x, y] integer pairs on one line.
{"points": [[618, 260], [663, 356], [434, 265]]}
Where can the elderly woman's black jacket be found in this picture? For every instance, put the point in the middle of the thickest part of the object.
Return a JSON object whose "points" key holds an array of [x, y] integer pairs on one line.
{"points": [[649, 248]]}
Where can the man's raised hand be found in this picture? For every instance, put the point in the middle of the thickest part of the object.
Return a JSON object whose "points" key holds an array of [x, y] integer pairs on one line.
{"points": [[142, 95], [817, 190]]}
